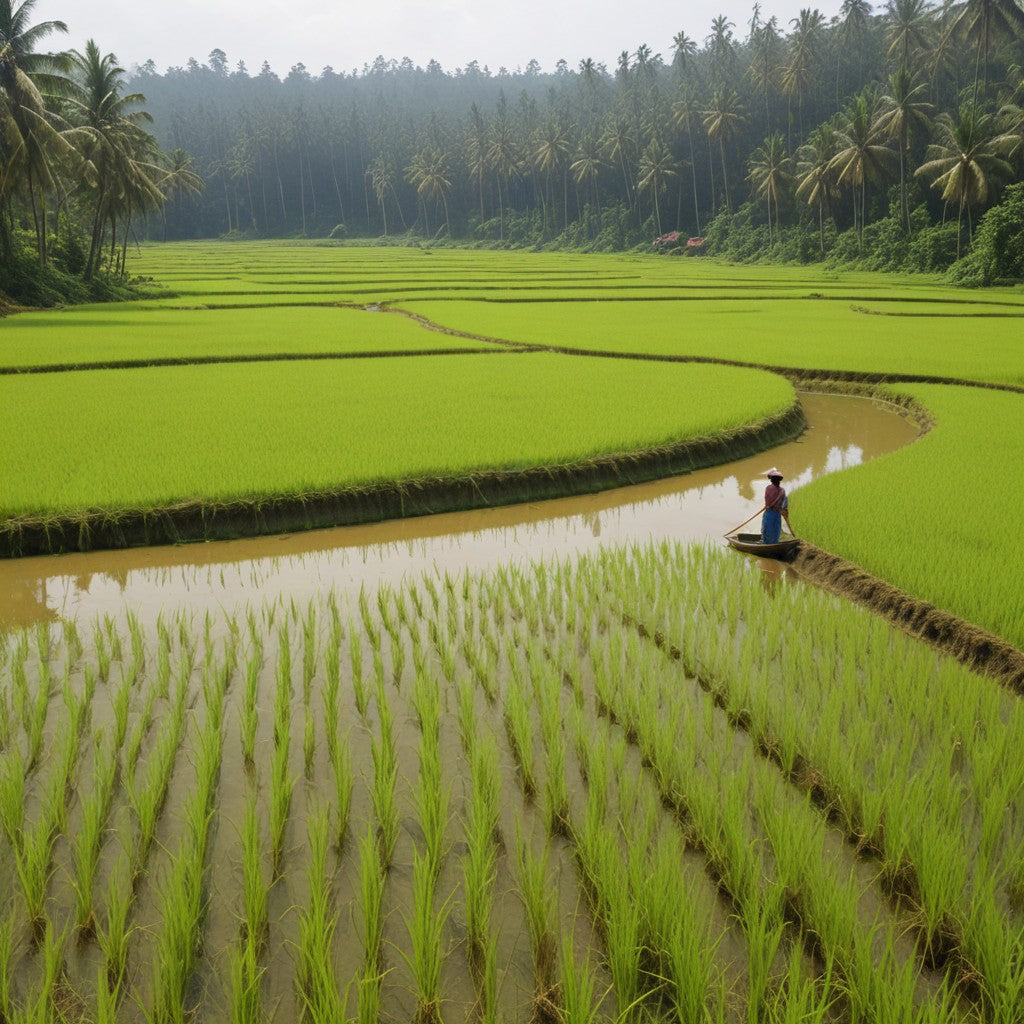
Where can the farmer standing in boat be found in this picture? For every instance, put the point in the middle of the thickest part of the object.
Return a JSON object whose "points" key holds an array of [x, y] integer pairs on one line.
{"points": [[776, 505]]}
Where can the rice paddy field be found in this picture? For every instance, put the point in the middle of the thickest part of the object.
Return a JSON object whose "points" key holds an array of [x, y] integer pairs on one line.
{"points": [[646, 784]]}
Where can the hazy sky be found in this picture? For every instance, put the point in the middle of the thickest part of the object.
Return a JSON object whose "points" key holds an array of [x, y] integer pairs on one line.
{"points": [[348, 34]]}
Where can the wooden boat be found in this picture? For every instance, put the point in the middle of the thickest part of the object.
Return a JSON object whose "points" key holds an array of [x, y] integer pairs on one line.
{"points": [[751, 543]]}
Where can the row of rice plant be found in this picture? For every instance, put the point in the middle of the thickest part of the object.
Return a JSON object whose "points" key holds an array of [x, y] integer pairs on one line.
{"points": [[655, 766]]}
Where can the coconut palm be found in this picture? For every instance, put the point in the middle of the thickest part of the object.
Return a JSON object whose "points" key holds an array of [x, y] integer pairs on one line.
{"points": [[685, 113], [429, 173], [965, 163], [907, 24], [722, 120], [771, 174], [503, 157], [122, 157], [816, 175], [864, 155], [550, 151], [586, 168], [655, 168], [904, 109], [987, 21], [763, 70], [683, 50], [721, 49], [804, 59], [853, 27]]}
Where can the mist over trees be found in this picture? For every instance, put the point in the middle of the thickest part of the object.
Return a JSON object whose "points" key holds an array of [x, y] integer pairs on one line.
{"points": [[868, 132]]}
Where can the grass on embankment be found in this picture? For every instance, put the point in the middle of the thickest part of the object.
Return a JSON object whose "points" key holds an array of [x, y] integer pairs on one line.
{"points": [[806, 333], [939, 519], [126, 440]]}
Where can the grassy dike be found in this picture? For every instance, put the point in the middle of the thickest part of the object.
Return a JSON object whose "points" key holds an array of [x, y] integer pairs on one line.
{"points": [[221, 451]]}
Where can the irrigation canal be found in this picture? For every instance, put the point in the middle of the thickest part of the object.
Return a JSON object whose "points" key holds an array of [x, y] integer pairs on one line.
{"points": [[842, 432]]}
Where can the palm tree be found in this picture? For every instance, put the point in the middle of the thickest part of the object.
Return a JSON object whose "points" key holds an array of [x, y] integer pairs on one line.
{"points": [[816, 174], [965, 163], [770, 174], [616, 142], [683, 50], [429, 174], [988, 20], [32, 134], [551, 148], [721, 49], [120, 152], [685, 111], [864, 154], [180, 178], [585, 170], [907, 29], [853, 27], [655, 168], [905, 108], [763, 69], [722, 120], [503, 156], [803, 59], [382, 180]]}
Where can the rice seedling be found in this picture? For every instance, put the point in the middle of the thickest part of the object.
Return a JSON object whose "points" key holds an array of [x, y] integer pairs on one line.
{"points": [[578, 992], [538, 901], [432, 801], [114, 937], [177, 942], [246, 998], [7, 954], [369, 626], [12, 795], [520, 737], [341, 771], [382, 797], [321, 1000], [87, 841], [282, 786], [309, 652], [255, 923], [371, 904], [359, 687], [249, 720], [425, 927], [368, 1007], [32, 862], [479, 865], [102, 654], [309, 743]]}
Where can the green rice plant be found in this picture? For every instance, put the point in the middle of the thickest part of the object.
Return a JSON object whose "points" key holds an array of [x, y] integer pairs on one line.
{"points": [[12, 795], [283, 691], [147, 799], [309, 652], [432, 802], [41, 1006], [102, 654], [114, 937], [397, 659], [72, 640], [246, 998], [359, 688], [579, 996], [133, 750], [282, 786], [177, 942], [32, 862], [138, 640], [426, 701], [467, 716], [322, 1003], [537, 896], [255, 923], [425, 927], [371, 903], [369, 1003], [120, 706], [309, 743], [382, 797], [36, 723], [250, 712], [87, 841], [479, 864], [7, 959], [556, 794], [113, 637], [369, 626], [520, 737], [341, 772]]}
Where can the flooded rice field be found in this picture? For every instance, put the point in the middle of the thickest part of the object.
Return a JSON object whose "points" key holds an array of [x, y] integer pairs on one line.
{"points": [[842, 432]]}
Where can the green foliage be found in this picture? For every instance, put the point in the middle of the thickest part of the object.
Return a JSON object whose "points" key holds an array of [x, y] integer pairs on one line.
{"points": [[997, 252]]}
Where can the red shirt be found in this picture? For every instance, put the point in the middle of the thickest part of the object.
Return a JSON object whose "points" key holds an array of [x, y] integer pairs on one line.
{"points": [[773, 495]]}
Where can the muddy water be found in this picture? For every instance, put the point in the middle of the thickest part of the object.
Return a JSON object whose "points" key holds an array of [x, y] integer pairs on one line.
{"points": [[842, 432]]}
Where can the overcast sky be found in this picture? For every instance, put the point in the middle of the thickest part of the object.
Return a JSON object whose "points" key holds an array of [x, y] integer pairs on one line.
{"points": [[346, 35]]}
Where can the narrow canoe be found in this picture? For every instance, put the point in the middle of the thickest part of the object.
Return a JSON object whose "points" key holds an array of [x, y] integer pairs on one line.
{"points": [[751, 543]]}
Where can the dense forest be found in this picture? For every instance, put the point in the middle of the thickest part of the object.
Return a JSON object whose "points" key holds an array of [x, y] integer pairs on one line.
{"points": [[879, 137]]}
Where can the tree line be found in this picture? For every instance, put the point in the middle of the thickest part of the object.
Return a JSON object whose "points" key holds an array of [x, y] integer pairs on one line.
{"points": [[79, 165], [909, 114]]}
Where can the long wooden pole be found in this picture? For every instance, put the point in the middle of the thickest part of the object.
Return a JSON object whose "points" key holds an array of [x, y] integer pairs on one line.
{"points": [[744, 523]]}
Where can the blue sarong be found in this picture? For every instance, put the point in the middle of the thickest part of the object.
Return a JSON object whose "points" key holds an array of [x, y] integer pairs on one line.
{"points": [[771, 526]]}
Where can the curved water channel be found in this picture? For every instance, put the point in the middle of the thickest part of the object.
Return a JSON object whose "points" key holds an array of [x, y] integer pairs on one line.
{"points": [[842, 432]]}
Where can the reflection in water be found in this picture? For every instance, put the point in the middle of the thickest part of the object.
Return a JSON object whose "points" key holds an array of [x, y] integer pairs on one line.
{"points": [[842, 432]]}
